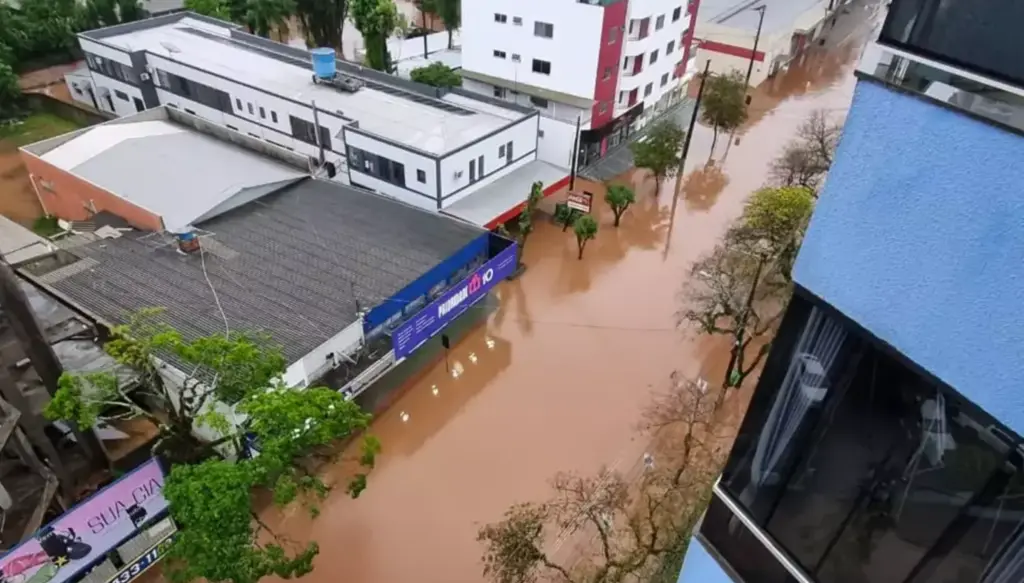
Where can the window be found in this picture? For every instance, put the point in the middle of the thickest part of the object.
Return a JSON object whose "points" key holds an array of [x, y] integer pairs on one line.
{"points": [[542, 67], [664, 80], [613, 35], [198, 92], [501, 151], [378, 167], [121, 95], [516, 58], [540, 133], [539, 102], [625, 64], [517, 20], [499, 54], [654, 57], [603, 108], [231, 127], [499, 92], [248, 106], [648, 89], [162, 80], [187, 110], [273, 116], [671, 47], [607, 73], [238, 104], [865, 471], [421, 176], [623, 95], [543, 29], [307, 132], [263, 113], [677, 13], [502, 18], [659, 23], [111, 69], [252, 135]]}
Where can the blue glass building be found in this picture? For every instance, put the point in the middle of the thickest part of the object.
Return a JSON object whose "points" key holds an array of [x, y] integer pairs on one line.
{"points": [[883, 441]]}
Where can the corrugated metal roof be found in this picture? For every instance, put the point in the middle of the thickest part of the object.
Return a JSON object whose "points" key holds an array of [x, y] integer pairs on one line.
{"points": [[292, 264]]}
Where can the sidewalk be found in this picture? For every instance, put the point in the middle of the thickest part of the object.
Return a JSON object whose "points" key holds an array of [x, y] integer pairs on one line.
{"points": [[620, 159]]}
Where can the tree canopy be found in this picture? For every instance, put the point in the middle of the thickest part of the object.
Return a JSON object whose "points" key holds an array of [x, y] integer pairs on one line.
{"points": [[233, 395], [806, 158], [264, 16], [450, 12], [323, 21], [619, 197], [660, 150], [10, 93], [723, 106], [585, 228], [376, 20], [436, 74], [212, 8]]}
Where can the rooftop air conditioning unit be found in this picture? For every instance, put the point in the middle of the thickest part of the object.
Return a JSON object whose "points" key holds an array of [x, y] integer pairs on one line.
{"points": [[144, 76], [458, 174]]}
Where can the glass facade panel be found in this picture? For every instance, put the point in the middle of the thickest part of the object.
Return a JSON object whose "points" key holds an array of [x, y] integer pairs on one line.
{"points": [[866, 471]]}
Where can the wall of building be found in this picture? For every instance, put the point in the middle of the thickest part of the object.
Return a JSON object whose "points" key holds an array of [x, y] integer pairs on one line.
{"points": [[609, 59], [918, 238], [421, 194], [454, 176], [555, 141], [71, 198], [653, 74], [572, 50]]}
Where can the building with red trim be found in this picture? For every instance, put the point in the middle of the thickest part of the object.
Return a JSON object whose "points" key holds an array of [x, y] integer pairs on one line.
{"points": [[594, 69], [727, 29]]}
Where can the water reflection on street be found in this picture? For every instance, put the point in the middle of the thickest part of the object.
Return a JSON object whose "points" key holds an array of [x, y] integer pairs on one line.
{"points": [[557, 376]]}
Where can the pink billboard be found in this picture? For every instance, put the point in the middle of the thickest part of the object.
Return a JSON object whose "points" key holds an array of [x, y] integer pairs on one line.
{"points": [[84, 534]]}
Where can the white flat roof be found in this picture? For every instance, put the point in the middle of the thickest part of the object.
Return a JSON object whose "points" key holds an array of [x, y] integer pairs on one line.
{"points": [[391, 116], [165, 168], [493, 200]]}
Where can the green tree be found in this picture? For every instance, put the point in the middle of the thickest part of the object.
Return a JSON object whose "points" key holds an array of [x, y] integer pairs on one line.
{"points": [[100, 13], [212, 8], [778, 216], [566, 216], [585, 229], [660, 150], [40, 27], [619, 197], [376, 20], [724, 106], [235, 377], [264, 16], [323, 21], [450, 12], [10, 93], [437, 74], [129, 10]]}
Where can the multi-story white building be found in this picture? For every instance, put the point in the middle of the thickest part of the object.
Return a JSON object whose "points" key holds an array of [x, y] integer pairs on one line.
{"points": [[604, 64], [426, 147]]}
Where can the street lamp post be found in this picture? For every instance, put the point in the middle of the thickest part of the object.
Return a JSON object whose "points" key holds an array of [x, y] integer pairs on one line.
{"points": [[757, 39]]}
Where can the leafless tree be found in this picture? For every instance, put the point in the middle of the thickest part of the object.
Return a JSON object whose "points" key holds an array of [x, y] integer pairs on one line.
{"points": [[807, 158], [629, 525], [737, 290]]}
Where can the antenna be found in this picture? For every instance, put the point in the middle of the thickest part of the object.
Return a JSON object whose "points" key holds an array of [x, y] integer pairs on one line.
{"points": [[316, 131]]}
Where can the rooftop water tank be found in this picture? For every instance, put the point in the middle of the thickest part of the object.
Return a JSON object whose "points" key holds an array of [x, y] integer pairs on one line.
{"points": [[323, 62]]}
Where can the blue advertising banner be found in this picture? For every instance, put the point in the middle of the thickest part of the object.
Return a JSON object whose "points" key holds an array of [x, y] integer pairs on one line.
{"points": [[437, 314]]}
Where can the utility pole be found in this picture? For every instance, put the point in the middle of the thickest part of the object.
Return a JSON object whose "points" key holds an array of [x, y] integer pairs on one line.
{"points": [[574, 156], [686, 150], [757, 39]]}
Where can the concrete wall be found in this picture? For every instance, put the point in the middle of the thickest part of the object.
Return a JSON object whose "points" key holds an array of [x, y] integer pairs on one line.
{"points": [[454, 176], [74, 199], [918, 237]]}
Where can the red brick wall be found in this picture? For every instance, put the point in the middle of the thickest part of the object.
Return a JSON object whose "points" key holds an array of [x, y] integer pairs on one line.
{"points": [[68, 197]]}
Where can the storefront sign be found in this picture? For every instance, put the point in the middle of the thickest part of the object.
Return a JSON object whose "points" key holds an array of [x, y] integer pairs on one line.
{"points": [[141, 564], [437, 314], [84, 534], [580, 201]]}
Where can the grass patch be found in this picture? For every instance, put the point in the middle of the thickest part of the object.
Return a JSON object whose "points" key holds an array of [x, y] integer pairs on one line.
{"points": [[46, 226], [35, 127]]}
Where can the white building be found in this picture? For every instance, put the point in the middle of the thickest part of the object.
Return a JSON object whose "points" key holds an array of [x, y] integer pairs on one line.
{"points": [[727, 30], [603, 63], [420, 145]]}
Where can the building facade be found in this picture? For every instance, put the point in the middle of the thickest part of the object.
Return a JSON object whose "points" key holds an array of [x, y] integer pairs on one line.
{"points": [[883, 441], [727, 32], [411, 142], [595, 70]]}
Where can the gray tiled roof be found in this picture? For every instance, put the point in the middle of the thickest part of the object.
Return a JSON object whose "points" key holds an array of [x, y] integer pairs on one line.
{"points": [[286, 264]]}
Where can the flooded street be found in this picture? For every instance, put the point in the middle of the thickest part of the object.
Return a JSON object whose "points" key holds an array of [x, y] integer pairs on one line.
{"points": [[556, 378]]}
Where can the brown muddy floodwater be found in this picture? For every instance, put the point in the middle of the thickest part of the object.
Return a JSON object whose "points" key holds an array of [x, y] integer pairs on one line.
{"points": [[557, 376]]}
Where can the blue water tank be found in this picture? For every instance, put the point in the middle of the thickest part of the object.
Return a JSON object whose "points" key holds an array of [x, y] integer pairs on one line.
{"points": [[323, 62]]}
